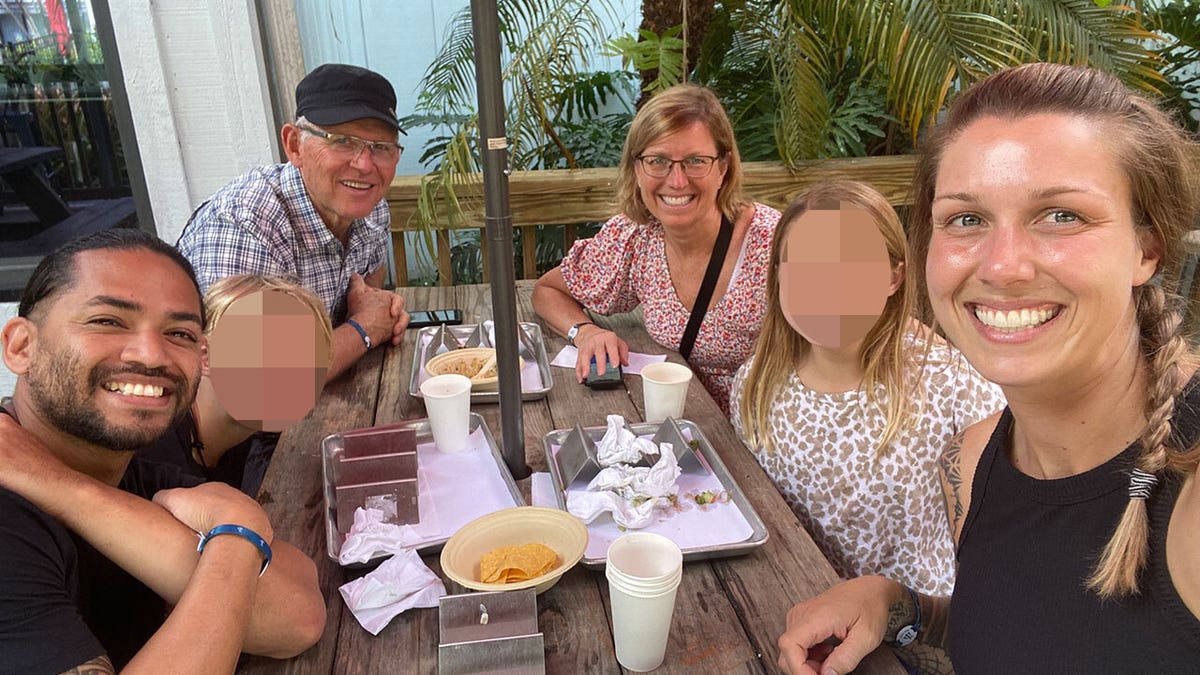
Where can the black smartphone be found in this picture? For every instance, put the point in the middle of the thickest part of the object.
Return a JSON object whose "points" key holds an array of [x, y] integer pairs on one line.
{"points": [[609, 380], [434, 317]]}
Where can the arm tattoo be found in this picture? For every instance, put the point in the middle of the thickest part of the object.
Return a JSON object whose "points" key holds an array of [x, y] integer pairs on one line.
{"points": [[900, 614], [924, 659], [935, 612], [952, 476], [97, 666], [935, 621]]}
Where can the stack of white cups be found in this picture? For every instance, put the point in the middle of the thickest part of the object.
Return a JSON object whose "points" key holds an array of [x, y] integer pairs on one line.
{"points": [[643, 571]]}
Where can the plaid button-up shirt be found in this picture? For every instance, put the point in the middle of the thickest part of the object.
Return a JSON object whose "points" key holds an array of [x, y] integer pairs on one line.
{"points": [[264, 223]]}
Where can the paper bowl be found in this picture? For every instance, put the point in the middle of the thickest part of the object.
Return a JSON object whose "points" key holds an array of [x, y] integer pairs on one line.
{"points": [[558, 530], [468, 362]]}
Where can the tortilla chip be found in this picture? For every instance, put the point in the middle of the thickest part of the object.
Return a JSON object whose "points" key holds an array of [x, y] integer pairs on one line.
{"points": [[509, 564]]}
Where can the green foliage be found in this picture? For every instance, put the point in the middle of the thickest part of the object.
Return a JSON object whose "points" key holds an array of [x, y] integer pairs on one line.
{"points": [[466, 258], [650, 51], [801, 79], [732, 63], [857, 115], [866, 76], [549, 89], [1179, 24]]}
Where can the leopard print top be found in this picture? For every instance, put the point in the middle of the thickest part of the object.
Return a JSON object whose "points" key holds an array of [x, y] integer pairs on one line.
{"points": [[869, 512]]}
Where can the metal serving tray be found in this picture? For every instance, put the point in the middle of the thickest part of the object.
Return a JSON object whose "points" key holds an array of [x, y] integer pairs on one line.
{"points": [[333, 447], [534, 352], [701, 446]]}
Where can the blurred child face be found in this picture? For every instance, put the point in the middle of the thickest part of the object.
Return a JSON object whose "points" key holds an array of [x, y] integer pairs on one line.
{"points": [[267, 360], [834, 275]]}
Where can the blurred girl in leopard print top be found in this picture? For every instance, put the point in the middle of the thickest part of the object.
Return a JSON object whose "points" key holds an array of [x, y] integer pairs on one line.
{"points": [[848, 401]]}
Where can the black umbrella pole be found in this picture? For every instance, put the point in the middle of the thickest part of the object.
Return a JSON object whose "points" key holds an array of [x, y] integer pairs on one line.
{"points": [[494, 146]]}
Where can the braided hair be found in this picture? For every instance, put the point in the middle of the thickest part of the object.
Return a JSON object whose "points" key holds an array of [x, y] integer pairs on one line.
{"points": [[1153, 152]]}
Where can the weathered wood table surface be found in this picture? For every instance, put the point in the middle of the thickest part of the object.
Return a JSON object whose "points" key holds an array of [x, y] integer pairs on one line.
{"points": [[728, 612]]}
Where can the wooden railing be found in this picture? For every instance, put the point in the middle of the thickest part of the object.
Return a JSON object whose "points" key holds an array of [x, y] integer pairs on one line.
{"points": [[570, 198]]}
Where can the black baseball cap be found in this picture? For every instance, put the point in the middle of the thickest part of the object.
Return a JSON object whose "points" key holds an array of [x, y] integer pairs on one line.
{"points": [[335, 93]]}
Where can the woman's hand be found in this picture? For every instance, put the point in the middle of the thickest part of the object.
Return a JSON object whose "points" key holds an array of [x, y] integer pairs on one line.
{"points": [[854, 611], [605, 345]]}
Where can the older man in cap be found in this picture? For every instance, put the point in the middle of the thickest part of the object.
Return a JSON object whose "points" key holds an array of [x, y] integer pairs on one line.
{"points": [[319, 219]]}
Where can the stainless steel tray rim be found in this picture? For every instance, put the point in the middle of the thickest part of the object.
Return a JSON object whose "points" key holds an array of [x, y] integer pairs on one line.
{"points": [[542, 358]]}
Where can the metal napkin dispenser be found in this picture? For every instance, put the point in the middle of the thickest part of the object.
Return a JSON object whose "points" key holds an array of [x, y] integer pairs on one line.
{"points": [[577, 459], [489, 633], [374, 468], [442, 340]]}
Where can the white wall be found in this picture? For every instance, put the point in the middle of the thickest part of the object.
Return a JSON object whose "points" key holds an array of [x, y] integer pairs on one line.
{"points": [[197, 86]]}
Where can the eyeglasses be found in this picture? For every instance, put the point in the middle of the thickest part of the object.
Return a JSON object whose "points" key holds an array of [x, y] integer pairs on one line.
{"points": [[696, 166], [350, 147]]}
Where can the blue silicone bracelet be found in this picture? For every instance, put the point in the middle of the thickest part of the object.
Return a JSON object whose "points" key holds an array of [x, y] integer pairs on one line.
{"points": [[245, 533], [362, 332]]}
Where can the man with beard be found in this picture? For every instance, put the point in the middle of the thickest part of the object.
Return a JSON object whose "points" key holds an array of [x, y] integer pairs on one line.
{"points": [[107, 348]]}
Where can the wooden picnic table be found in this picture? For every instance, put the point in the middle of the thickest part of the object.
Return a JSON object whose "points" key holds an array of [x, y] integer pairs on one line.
{"points": [[21, 168], [729, 611]]}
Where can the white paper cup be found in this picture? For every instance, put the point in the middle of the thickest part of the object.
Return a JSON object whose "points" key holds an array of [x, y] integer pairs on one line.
{"points": [[664, 390], [643, 571], [448, 404]]}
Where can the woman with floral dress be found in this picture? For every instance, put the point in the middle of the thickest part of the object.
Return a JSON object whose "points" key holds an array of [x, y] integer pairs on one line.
{"points": [[680, 180]]}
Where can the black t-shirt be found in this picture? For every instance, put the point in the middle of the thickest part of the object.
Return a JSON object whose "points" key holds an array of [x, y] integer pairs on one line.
{"points": [[243, 466], [61, 602], [1020, 604]]}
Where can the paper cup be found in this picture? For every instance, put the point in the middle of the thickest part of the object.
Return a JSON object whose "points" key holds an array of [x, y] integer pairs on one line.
{"points": [[448, 404], [664, 390], [643, 571]]}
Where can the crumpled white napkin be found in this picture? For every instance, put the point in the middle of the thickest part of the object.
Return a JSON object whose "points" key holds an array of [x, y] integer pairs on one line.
{"points": [[621, 446], [400, 582], [370, 537], [587, 506], [631, 493]]}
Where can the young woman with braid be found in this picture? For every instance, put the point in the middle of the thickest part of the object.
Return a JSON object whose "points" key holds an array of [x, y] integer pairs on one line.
{"points": [[1048, 215]]}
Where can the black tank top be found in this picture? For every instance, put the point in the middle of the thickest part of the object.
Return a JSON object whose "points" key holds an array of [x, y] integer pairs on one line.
{"points": [[1020, 603]]}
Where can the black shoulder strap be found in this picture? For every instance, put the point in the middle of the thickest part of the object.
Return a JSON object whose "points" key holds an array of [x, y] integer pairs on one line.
{"points": [[715, 262]]}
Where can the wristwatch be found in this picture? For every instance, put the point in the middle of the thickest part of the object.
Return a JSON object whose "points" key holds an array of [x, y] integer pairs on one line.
{"points": [[575, 331]]}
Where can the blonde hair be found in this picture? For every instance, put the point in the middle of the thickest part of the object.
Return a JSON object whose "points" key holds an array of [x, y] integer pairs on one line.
{"points": [[668, 112], [225, 291], [1152, 151], [886, 355]]}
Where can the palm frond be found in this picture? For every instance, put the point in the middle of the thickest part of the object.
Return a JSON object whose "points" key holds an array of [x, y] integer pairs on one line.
{"points": [[546, 46], [932, 48]]}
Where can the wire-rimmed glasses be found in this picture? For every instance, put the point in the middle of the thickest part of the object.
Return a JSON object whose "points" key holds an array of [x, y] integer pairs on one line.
{"points": [[349, 147], [695, 166]]}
